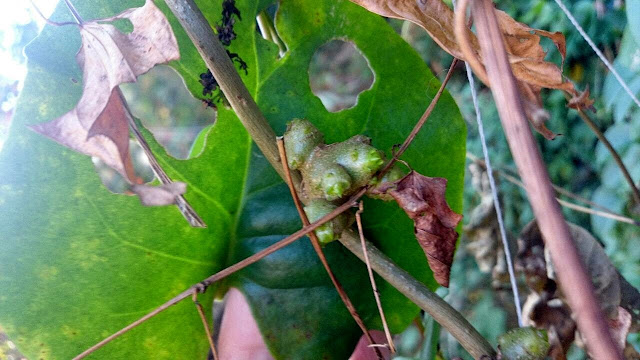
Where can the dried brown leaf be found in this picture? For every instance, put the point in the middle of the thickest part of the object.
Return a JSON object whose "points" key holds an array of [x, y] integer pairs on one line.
{"points": [[526, 55], [98, 125], [423, 199], [159, 195]]}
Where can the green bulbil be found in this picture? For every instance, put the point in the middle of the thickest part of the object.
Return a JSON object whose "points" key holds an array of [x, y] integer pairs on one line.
{"points": [[335, 182], [300, 139], [524, 344], [359, 158], [331, 230]]}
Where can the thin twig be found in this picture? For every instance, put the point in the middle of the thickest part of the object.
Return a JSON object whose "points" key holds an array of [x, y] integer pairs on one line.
{"points": [[576, 207], [205, 323], [74, 12], [573, 279], [603, 139], [47, 20], [494, 194], [374, 287], [226, 272], [420, 123], [183, 205], [417, 292], [318, 249], [593, 46]]}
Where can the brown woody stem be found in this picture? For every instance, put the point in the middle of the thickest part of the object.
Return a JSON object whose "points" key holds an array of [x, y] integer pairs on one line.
{"points": [[573, 279]]}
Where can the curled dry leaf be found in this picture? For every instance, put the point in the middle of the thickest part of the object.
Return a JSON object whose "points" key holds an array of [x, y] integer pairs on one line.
{"points": [[422, 198], [98, 125], [522, 42], [545, 306]]}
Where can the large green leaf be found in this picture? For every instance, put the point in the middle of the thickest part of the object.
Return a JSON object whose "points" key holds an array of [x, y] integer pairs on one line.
{"points": [[77, 262]]}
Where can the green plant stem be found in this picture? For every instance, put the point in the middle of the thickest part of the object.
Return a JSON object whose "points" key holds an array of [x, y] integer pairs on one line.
{"points": [[216, 58]]}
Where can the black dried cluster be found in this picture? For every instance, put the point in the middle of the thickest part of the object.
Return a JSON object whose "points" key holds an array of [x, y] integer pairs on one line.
{"points": [[226, 34]]}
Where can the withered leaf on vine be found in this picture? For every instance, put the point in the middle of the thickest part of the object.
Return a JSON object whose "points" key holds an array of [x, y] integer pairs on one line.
{"points": [[423, 199], [99, 124], [526, 55]]}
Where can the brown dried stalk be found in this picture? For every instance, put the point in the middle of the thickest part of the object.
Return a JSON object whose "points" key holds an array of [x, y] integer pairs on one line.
{"points": [[205, 323], [374, 287], [616, 157], [573, 279], [318, 249], [421, 122]]}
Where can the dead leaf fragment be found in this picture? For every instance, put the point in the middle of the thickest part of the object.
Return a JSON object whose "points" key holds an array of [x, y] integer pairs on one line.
{"points": [[165, 194], [423, 199], [526, 55], [98, 125]]}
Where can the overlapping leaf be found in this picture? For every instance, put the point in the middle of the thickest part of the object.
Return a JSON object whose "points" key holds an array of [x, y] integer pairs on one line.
{"points": [[77, 262]]}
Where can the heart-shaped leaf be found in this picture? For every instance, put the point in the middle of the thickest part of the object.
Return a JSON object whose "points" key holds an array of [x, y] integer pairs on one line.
{"points": [[78, 263]]}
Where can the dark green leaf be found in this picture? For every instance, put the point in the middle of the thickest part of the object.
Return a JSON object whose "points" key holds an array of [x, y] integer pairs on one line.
{"points": [[78, 262]]}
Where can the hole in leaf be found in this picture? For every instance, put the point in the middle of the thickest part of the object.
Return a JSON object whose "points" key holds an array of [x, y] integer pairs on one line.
{"points": [[338, 73], [112, 179], [163, 104]]}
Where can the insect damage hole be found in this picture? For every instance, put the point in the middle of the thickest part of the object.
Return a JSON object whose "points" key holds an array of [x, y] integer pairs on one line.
{"points": [[338, 73], [167, 109]]}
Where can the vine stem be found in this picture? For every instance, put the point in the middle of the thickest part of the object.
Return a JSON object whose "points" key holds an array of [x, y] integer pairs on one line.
{"points": [[616, 157], [215, 56], [205, 324], [573, 279], [595, 49], [201, 286], [374, 287], [421, 122], [603, 212], [318, 249]]}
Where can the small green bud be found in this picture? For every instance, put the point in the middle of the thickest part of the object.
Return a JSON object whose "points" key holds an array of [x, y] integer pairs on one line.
{"points": [[524, 344], [335, 182], [300, 139], [360, 159], [328, 231]]}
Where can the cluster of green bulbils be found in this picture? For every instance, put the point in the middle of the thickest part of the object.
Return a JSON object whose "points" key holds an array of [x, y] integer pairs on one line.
{"points": [[332, 172]]}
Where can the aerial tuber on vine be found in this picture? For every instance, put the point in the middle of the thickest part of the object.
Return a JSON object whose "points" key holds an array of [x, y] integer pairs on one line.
{"points": [[332, 172]]}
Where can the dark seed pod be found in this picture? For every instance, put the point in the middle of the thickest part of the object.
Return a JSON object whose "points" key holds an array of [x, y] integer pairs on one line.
{"points": [[331, 230], [300, 139], [524, 344]]}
